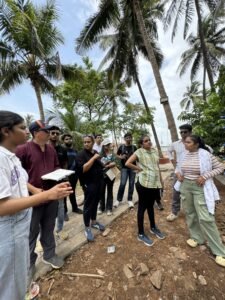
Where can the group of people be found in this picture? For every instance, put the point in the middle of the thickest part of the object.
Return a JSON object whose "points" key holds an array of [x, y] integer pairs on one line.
{"points": [[23, 163]]}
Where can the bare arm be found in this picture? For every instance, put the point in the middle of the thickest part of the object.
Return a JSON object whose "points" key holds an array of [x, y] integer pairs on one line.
{"points": [[33, 190], [9, 206], [130, 162], [89, 164]]}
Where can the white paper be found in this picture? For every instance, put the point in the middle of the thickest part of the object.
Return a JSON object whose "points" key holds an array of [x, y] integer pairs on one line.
{"points": [[177, 186], [110, 174], [57, 175]]}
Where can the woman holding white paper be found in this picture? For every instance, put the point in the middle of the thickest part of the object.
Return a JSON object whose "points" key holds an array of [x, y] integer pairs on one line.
{"points": [[108, 160], [198, 194], [15, 212]]}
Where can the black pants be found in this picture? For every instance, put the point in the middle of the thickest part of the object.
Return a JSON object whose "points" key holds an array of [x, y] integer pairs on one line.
{"points": [[91, 200], [73, 182], [107, 185], [43, 222], [147, 197]]}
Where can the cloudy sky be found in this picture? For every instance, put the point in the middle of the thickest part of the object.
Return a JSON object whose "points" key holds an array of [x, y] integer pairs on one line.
{"points": [[73, 14]]}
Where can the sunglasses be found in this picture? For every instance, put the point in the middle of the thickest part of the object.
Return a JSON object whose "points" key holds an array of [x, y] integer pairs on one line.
{"points": [[44, 130], [145, 141], [183, 131], [54, 133]]}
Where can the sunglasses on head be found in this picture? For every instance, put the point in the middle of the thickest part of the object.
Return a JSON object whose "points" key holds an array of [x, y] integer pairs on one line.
{"points": [[44, 130], [183, 131]]}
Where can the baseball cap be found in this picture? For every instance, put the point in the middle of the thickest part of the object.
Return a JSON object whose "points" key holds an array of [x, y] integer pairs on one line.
{"points": [[106, 142], [39, 125]]}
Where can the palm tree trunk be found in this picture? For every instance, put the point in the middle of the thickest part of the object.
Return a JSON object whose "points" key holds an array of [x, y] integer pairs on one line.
{"points": [[37, 89], [203, 84], [149, 114], [203, 46], [151, 56]]}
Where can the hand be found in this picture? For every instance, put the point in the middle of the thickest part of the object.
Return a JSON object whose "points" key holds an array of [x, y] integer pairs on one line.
{"points": [[180, 177], [96, 156], [59, 191], [200, 181], [139, 170], [123, 156]]}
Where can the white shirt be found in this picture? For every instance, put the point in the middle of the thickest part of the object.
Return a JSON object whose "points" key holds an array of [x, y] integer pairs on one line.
{"points": [[97, 147], [13, 178], [180, 152]]}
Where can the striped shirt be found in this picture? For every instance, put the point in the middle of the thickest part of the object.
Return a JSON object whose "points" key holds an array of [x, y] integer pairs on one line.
{"points": [[179, 150], [148, 161], [191, 166]]}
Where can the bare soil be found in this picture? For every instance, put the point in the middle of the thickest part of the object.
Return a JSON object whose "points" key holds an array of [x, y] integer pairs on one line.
{"points": [[179, 265]]}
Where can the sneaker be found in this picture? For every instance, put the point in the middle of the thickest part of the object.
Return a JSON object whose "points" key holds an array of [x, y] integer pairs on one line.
{"points": [[192, 243], [99, 212], [130, 204], [171, 217], [116, 203], [55, 261], [157, 233], [109, 212], [62, 235], [98, 226], [89, 234], [145, 239], [66, 218], [78, 211], [159, 205], [220, 261]]}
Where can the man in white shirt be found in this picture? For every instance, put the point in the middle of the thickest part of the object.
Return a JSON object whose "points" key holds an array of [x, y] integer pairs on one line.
{"points": [[98, 143], [176, 153]]}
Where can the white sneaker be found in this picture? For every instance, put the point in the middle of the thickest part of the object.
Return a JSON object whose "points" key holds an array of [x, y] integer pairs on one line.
{"points": [[109, 213], [99, 212], [116, 203], [130, 204], [171, 217]]}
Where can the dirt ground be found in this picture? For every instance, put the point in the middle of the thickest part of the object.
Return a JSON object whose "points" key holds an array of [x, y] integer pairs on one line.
{"points": [[170, 269]]}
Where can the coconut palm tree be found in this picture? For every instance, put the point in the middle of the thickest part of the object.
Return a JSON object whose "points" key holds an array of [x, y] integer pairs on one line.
{"points": [[28, 45], [188, 8], [111, 11], [214, 40], [191, 96]]}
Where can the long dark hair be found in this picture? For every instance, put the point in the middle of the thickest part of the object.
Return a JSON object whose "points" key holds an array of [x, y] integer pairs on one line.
{"points": [[196, 139], [141, 139], [8, 119]]}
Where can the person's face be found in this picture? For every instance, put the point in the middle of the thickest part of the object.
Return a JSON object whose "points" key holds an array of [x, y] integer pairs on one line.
{"points": [[88, 143], [54, 135], [68, 141], [184, 133], [18, 134], [42, 135], [128, 140], [98, 139], [108, 146], [147, 144], [190, 145]]}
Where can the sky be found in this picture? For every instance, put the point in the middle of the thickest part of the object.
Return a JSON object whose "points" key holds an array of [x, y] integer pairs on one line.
{"points": [[73, 15]]}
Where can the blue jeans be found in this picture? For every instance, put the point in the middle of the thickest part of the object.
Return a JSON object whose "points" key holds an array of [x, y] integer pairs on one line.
{"points": [[14, 255], [125, 174], [60, 216]]}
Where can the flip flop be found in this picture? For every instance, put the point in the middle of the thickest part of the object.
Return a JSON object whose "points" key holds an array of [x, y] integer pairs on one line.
{"points": [[34, 290]]}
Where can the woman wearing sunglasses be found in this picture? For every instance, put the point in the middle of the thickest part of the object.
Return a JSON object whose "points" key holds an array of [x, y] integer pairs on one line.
{"points": [[148, 185]]}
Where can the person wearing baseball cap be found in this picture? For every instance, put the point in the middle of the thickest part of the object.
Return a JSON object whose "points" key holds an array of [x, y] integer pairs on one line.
{"points": [[39, 158]]}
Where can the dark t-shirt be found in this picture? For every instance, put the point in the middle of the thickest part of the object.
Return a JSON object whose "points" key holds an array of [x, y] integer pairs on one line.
{"points": [[94, 174], [128, 150], [62, 156], [71, 156], [38, 163]]}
